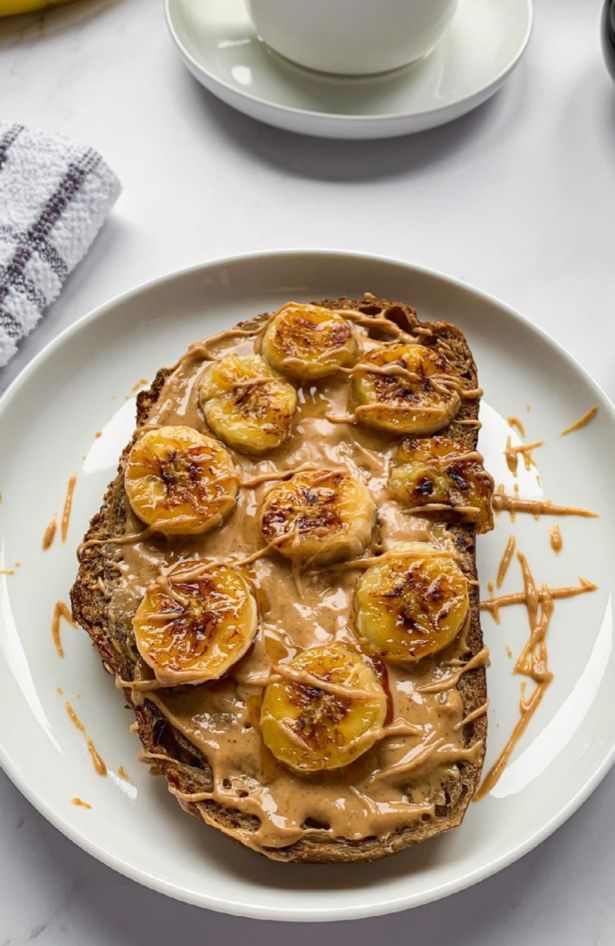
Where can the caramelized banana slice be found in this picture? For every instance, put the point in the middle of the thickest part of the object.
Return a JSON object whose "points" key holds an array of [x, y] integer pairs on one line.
{"points": [[308, 341], [324, 711], [246, 404], [434, 476], [180, 482], [405, 393], [326, 515], [412, 604], [193, 624]]}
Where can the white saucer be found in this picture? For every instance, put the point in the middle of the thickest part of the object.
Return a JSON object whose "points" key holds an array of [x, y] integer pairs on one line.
{"points": [[481, 47], [77, 387]]}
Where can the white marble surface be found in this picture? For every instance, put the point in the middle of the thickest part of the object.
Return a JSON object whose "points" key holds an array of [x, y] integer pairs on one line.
{"points": [[517, 198]]}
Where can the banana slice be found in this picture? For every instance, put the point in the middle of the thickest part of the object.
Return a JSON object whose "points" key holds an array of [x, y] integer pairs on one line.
{"points": [[327, 515], [180, 482], [434, 471], [308, 341], [246, 404], [404, 394], [412, 604], [195, 623], [324, 711]]}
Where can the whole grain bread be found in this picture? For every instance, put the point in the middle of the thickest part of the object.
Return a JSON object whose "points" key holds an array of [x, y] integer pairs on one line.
{"points": [[183, 765]]}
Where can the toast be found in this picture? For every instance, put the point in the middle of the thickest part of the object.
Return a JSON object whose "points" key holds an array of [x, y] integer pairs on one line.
{"points": [[102, 605]]}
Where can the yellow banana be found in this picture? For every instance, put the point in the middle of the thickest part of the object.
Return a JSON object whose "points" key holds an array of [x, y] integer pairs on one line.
{"points": [[324, 710], [435, 476], [180, 482], [412, 604], [308, 341], [404, 392], [246, 404], [195, 622], [326, 515]]}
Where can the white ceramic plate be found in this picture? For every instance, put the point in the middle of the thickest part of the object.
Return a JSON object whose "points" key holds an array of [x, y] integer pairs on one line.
{"points": [[79, 385], [481, 47]]}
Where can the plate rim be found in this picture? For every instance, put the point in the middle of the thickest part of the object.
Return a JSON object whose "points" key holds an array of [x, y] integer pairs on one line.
{"points": [[241, 908], [328, 118]]}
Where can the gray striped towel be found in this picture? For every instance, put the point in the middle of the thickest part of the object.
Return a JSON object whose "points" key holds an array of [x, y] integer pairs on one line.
{"points": [[54, 197]]}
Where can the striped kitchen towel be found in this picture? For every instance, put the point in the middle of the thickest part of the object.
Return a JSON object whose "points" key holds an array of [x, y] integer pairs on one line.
{"points": [[54, 197]]}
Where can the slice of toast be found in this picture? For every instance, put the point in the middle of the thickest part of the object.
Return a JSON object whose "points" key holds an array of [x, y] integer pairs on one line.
{"points": [[186, 767]]}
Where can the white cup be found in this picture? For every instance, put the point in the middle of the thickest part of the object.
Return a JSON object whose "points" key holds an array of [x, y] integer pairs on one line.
{"points": [[351, 37]]}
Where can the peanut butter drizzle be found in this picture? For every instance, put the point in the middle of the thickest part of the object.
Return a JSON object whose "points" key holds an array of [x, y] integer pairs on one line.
{"points": [[517, 424], [99, 766], [80, 803], [202, 350], [60, 611], [219, 718], [138, 685], [475, 714], [128, 539], [144, 756], [555, 538], [526, 450], [379, 406], [581, 422], [481, 659], [362, 409], [7, 571], [505, 562], [302, 676], [493, 605], [532, 664], [419, 755], [50, 533], [439, 507], [367, 321], [387, 370], [341, 418], [68, 505], [537, 507], [270, 477], [444, 383], [369, 560], [123, 773]]}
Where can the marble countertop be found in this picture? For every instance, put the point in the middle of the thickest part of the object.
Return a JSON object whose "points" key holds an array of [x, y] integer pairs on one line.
{"points": [[517, 198]]}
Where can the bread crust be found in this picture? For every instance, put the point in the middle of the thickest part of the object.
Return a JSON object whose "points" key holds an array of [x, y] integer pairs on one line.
{"points": [[183, 765]]}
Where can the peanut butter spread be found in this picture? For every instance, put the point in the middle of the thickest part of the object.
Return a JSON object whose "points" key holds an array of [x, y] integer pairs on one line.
{"points": [[60, 610], [80, 803], [97, 761], [505, 561], [68, 506], [532, 663], [427, 734], [526, 450], [581, 422], [50, 533], [555, 538], [537, 507]]}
